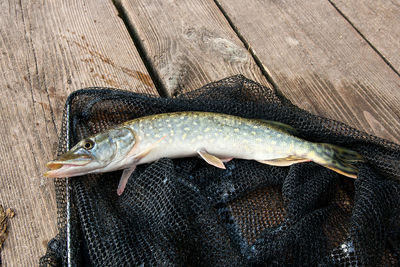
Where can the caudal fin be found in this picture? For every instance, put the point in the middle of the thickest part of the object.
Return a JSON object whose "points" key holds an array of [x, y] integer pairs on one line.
{"points": [[339, 159]]}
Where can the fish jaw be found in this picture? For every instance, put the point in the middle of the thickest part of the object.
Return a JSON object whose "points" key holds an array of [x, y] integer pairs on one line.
{"points": [[67, 168]]}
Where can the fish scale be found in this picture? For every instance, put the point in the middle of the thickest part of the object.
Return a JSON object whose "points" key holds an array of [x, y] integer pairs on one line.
{"points": [[214, 137], [222, 136]]}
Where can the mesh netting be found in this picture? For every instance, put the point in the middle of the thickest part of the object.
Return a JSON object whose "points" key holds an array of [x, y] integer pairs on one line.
{"points": [[184, 212]]}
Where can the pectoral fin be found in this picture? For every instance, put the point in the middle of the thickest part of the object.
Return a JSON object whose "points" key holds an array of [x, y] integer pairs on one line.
{"points": [[124, 179], [144, 152], [284, 161], [210, 159]]}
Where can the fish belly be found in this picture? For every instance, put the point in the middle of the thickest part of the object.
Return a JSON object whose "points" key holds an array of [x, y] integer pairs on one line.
{"points": [[221, 136], [219, 148]]}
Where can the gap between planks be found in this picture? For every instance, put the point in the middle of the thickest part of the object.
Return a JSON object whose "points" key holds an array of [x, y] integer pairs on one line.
{"points": [[363, 37], [162, 91], [263, 68], [321, 63], [196, 71]]}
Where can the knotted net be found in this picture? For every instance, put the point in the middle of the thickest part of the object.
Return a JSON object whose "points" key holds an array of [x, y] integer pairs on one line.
{"points": [[184, 212]]}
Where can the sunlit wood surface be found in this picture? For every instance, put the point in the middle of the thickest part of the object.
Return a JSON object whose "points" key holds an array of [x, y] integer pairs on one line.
{"points": [[338, 59]]}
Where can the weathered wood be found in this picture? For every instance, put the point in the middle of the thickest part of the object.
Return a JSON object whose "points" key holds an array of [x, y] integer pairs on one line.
{"points": [[188, 43], [320, 62], [379, 22], [47, 50]]}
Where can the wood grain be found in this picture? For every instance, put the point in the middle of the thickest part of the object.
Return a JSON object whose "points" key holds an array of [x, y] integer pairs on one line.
{"points": [[320, 62], [379, 22], [188, 43], [47, 50]]}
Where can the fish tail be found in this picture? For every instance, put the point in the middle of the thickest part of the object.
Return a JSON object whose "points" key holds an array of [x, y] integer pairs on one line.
{"points": [[338, 159]]}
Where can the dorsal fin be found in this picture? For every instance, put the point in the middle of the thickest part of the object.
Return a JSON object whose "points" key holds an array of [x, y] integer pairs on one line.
{"points": [[282, 126]]}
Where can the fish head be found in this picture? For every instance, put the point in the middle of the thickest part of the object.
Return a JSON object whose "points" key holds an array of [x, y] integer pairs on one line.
{"points": [[98, 153]]}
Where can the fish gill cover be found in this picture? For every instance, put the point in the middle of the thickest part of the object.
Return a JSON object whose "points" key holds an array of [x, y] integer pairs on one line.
{"points": [[184, 212]]}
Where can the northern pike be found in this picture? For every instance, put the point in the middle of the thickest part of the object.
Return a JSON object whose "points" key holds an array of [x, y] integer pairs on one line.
{"points": [[216, 138]]}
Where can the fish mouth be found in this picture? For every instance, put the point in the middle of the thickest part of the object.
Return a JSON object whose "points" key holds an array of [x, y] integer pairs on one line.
{"points": [[66, 168]]}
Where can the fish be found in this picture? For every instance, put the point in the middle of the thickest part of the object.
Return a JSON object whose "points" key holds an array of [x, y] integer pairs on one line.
{"points": [[216, 138]]}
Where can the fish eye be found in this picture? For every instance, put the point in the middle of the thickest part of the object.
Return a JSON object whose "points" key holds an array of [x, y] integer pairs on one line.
{"points": [[88, 144]]}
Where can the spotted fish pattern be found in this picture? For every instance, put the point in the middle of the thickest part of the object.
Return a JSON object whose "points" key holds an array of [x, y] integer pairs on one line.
{"points": [[217, 138]]}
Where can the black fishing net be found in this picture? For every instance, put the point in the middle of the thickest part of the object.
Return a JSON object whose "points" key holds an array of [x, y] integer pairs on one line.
{"points": [[184, 212]]}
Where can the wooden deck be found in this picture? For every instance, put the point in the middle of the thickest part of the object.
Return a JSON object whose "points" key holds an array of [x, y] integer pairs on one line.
{"points": [[335, 58]]}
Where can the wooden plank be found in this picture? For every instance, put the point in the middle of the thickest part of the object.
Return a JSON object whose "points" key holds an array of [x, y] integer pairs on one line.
{"points": [[379, 22], [47, 50], [320, 62], [188, 43]]}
